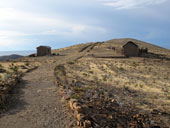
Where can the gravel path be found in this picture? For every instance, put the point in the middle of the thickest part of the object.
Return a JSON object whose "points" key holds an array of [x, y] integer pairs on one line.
{"points": [[36, 104]]}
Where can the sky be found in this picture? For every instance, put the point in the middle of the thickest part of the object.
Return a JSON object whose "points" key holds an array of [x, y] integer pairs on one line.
{"points": [[26, 24]]}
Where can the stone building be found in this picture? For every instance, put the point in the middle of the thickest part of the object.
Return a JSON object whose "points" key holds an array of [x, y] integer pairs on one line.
{"points": [[131, 49], [43, 50]]}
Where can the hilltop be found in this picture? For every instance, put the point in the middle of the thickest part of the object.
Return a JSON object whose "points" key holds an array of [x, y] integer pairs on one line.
{"points": [[111, 48], [101, 86]]}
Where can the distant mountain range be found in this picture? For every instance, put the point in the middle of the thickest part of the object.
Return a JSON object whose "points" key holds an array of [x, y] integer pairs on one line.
{"points": [[13, 56]]}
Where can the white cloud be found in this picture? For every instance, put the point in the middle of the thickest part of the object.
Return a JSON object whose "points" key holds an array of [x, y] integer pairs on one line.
{"points": [[128, 4], [11, 33], [17, 24]]}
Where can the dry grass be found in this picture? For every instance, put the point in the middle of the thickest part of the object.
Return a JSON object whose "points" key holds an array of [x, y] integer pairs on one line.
{"points": [[9, 68], [145, 82]]}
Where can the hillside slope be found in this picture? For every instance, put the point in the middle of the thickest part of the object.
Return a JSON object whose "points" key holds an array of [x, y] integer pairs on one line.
{"points": [[102, 48], [104, 89], [114, 91]]}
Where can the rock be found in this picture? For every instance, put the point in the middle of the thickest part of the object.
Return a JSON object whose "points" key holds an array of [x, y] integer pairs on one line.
{"points": [[78, 123], [67, 97], [152, 122], [2, 96], [5, 89], [71, 102], [39, 90], [110, 117], [70, 93], [113, 100], [80, 117], [71, 105], [87, 124], [75, 105], [79, 109]]}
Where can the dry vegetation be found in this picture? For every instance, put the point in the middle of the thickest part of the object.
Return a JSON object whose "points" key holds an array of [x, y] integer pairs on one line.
{"points": [[13, 67], [118, 92], [147, 79]]}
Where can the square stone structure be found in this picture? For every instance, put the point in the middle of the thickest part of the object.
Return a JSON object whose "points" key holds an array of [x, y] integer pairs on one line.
{"points": [[131, 49], [43, 50]]}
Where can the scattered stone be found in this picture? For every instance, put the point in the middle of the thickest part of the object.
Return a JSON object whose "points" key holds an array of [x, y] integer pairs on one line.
{"points": [[71, 102], [79, 109], [38, 91], [80, 117], [87, 124]]}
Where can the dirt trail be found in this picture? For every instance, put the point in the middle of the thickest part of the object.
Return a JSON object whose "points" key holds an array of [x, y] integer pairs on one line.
{"points": [[35, 103]]}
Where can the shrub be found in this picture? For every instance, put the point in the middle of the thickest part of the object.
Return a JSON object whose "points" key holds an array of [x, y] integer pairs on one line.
{"points": [[60, 69], [141, 85], [2, 70], [23, 67], [85, 74], [1, 79], [79, 89], [168, 96], [134, 64], [27, 63], [13, 68], [8, 75], [105, 78], [136, 85], [121, 69], [91, 72], [70, 62], [75, 96]]}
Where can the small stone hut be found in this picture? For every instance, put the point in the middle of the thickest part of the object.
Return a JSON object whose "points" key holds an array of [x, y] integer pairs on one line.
{"points": [[43, 50], [131, 49]]}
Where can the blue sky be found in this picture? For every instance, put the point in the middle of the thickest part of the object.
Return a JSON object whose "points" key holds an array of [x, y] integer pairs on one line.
{"points": [[26, 24]]}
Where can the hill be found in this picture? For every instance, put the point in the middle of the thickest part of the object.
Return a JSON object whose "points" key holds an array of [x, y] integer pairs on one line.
{"points": [[106, 48], [102, 88], [10, 57], [115, 91]]}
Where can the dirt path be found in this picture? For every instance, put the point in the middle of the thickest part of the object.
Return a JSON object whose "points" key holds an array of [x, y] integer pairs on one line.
{"points": [[35, 103]]}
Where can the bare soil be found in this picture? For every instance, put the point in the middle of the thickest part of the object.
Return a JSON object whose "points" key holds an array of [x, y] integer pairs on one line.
{"points": [[35, 103]]}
